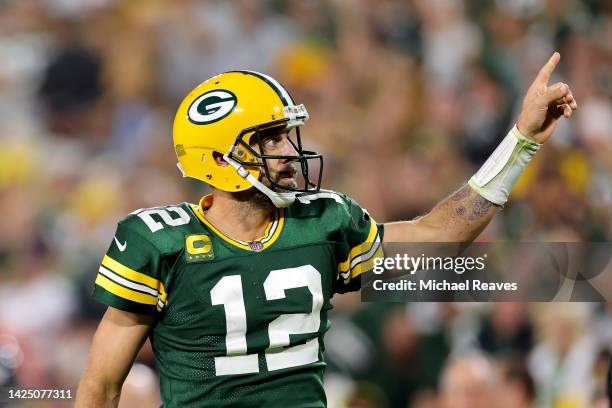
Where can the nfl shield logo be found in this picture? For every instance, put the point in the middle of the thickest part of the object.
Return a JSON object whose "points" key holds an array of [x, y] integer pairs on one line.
{"points": [[256, 245]]}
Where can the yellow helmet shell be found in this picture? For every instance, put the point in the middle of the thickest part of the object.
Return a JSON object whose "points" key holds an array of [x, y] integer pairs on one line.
{"points": [[212, 116]]}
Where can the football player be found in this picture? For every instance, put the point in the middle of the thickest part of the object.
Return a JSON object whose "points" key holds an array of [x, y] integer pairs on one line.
{"points": [[234, 292]]}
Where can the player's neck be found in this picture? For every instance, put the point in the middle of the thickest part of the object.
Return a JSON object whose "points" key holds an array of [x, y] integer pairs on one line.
{"points": [[245, 220]]}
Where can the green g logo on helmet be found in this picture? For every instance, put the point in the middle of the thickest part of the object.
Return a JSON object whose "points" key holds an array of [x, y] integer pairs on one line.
{"points": [[211, 107]]}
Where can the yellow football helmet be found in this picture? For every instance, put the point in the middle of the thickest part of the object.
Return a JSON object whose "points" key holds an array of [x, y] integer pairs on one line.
{"points": [[221, 116]]}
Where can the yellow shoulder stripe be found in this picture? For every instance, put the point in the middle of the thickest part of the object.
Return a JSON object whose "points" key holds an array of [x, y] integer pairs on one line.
{"points": [[125, 293], [133, 275], [361, 248]]}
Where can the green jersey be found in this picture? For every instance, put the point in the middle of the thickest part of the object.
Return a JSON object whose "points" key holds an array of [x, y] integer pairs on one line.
{"points": [[239, 323]]}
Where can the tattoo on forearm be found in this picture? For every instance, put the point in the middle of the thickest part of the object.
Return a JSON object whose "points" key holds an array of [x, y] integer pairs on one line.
{"points": [[462, 216], [462, 193], [465, 198], [480, 206]]}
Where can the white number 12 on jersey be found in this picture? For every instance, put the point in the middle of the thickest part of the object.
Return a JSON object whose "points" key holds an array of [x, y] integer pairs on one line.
{"points": [[228, 292]]}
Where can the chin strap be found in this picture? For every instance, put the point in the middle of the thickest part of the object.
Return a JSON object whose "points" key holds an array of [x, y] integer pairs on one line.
{"points": [[280, 200]]}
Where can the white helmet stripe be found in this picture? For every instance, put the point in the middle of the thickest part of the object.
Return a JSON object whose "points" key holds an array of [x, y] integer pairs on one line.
{"points": [[279, 88]]}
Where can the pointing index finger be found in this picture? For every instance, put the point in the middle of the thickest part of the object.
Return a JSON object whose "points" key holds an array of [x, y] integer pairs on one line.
{"points": [[548, 68]]}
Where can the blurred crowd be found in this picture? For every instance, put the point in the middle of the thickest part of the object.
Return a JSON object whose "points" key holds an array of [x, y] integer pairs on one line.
{"points": [[406, 98]]}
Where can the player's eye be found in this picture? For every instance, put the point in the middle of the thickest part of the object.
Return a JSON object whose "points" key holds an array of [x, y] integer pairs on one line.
{"points": [[273, 141]]}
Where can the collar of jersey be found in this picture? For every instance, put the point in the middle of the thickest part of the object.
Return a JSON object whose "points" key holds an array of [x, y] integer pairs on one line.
{"points": [[270, 235]]}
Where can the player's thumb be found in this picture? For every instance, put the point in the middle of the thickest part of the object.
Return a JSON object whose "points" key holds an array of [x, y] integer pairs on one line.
{"points": [[556, 91]]}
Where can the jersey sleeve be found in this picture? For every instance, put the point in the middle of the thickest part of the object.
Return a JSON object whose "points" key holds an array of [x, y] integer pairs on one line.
{"points": [[130, 274], [359, 243]]}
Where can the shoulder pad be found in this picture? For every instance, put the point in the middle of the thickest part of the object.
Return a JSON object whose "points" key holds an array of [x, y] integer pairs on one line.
{"points": [[162, 226]]}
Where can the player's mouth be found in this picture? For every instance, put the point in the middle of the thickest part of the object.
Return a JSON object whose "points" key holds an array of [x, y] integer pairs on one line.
{"points": [[287, 178]]}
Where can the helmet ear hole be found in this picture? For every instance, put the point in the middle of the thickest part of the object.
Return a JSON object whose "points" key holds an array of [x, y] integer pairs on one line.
{"points": [[219, 159]]}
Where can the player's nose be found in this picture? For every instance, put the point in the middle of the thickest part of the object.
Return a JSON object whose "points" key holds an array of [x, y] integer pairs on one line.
{"points": [[287, 149]]}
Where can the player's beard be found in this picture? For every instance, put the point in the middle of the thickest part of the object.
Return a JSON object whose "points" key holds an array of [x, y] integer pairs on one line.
{"points": [[259, 199]]}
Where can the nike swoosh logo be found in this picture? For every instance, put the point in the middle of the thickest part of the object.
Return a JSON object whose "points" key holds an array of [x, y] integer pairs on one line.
{"points": [[119, 245]]}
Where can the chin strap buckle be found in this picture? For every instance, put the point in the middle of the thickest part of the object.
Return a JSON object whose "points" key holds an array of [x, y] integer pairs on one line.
{"points": [[242, 172]]}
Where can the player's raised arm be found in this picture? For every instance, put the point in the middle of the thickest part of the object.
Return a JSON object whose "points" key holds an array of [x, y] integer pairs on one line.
{"points": [[116, 343], [463, 215]]}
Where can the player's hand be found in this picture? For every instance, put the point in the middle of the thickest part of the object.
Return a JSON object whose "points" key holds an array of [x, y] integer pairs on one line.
{"points": [[544, 104]]}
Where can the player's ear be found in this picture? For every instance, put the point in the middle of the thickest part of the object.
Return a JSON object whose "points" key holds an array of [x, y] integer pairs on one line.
{"points": [[219, 159]]}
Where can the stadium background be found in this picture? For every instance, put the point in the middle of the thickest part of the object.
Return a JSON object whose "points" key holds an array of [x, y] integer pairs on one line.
{"points": [[406, 99]]}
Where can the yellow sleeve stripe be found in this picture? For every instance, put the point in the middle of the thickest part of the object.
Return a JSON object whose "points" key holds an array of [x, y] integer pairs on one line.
{"points": [[133, 275], [125, 293], [360, 249], [365, 266]]}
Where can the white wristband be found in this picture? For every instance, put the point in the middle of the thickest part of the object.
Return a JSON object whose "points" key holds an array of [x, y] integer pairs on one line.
{"points": [[495, 179]]}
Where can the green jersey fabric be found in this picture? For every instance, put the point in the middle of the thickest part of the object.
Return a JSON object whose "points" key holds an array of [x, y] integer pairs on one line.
{"points": [[239, 324]]}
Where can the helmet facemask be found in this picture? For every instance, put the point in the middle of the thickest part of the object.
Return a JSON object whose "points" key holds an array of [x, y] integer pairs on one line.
{"points": [[242, 154]]}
